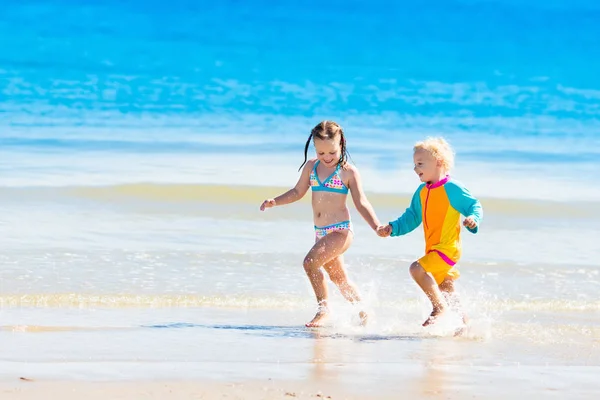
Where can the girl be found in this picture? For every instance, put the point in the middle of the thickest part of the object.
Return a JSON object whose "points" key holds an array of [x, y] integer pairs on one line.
{"points": [[438, 203], [330, 177]]}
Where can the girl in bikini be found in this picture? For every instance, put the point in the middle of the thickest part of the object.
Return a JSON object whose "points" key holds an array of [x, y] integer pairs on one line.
{"points": [[330, 177]]}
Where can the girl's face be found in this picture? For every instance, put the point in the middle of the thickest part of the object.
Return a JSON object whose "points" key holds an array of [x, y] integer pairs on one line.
{"points": [[329, 151], [427, 167]]}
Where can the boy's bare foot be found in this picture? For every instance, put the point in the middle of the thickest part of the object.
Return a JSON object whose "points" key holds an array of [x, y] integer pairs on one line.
{"points": [[363, 318], [433, 317], [320, 317]]}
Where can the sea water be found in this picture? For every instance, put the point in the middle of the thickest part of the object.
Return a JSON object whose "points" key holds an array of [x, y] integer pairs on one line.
{"points": [[137, 141]]}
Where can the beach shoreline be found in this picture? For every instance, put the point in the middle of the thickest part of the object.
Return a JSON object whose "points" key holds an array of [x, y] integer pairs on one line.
{"points": [[24, 389], [240, 194], [472, 383]]}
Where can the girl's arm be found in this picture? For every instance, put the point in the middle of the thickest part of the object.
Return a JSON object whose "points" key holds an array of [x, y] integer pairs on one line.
{"points": [[362, 204], [295, 193]]}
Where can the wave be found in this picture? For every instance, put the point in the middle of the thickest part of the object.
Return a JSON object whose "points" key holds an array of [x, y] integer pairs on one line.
{"points": [[82, 300], [252, 195]]}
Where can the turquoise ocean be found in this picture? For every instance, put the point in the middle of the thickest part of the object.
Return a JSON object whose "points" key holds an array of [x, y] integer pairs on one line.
{"points": [[138, 139]]}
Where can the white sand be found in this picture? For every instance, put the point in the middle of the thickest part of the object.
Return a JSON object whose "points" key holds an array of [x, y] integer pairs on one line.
{"points": [[527, 382], [253, 390]]}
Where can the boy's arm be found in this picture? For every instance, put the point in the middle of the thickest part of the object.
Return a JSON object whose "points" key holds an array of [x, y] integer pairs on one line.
{"points": [[465, 203], [411, 218]]}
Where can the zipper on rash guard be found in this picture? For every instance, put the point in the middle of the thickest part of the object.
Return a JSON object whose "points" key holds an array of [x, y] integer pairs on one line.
{"points": [[425, 212]]}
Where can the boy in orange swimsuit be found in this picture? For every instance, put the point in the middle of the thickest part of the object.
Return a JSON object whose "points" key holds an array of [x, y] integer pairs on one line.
{"points": [[438, 204]]}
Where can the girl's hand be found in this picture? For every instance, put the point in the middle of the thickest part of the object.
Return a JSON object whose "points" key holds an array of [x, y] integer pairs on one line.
{"points": [[384, 231], [470, 223], [267, 204]]}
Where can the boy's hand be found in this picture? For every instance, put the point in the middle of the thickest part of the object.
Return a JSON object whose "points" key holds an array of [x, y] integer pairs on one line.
{"points": [[267, 204], [384, 230], [470, 223]]}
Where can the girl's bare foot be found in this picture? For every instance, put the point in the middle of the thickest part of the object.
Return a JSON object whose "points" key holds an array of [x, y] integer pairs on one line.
{"points": [[319, 318], [363, 318], [433, 317], [460, 331], [463, 329]]}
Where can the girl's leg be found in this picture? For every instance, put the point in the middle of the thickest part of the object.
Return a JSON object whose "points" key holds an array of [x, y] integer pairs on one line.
{"points": [[325, 250], [431, 289], [337, 273]]}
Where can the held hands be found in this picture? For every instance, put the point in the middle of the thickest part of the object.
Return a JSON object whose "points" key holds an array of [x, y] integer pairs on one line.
{"points": [[384, 230], [267, 204], [470, 223]]}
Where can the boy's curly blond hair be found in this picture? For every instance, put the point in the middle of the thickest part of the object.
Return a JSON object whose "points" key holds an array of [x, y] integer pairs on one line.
{"points": [[439, 148]]}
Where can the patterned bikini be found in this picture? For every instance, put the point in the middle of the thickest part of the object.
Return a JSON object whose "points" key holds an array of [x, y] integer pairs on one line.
{"points": [[333, 184]]}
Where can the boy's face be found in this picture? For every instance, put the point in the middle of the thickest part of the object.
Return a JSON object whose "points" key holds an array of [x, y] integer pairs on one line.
{"points": [[426, 166]]}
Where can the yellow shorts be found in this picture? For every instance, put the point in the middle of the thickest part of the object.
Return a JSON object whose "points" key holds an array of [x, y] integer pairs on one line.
{"points": [[433, 263]]}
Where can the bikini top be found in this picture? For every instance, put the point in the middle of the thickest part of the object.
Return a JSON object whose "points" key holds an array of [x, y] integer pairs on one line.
{"points": [[332, 184]]}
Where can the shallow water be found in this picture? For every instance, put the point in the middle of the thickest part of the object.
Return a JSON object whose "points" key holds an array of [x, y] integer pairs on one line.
{"points": [[133, 162], [111, 270]]}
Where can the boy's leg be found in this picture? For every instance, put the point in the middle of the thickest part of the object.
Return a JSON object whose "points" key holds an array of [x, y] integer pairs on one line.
{"points": [[326, 249], [431, 289], [448, 290]]}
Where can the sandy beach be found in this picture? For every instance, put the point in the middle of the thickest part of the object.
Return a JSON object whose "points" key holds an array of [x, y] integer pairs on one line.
{"points": [[482, 385], [253, 390]]}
